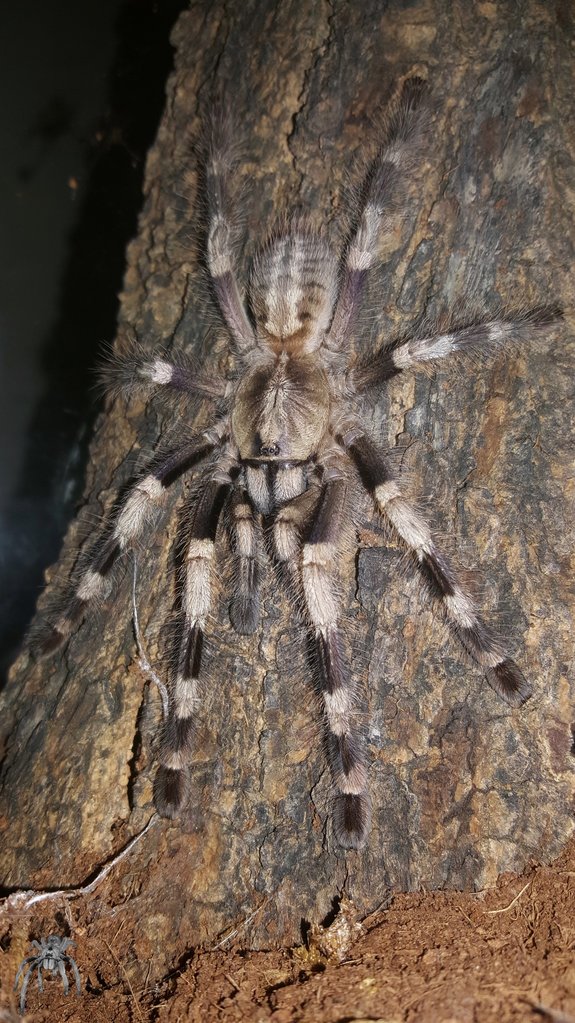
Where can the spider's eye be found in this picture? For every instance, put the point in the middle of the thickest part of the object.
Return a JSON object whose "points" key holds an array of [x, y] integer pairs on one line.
{"points": [[272, 450]]}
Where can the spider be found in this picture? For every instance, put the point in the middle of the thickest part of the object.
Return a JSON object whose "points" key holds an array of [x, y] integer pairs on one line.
{"points": [[51, 956], [288, 460]]}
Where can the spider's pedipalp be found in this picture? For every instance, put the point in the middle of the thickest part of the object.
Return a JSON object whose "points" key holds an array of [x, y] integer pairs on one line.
{"points": [[291, 521], [245, 604]]}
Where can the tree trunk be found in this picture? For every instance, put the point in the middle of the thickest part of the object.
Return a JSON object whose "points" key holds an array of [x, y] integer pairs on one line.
{"points": [[463, 787]]}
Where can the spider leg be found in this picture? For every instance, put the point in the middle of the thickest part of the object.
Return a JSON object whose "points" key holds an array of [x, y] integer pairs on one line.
{"points": [[62, 972], [71, 963], [176, 750], [394, 158], [345, 744], [40, 981], [484, 645], [23, 964], [27, 976], [142, 504], [346, 748], [221, 165], [245, 604], [415, 352], [134, 370]]}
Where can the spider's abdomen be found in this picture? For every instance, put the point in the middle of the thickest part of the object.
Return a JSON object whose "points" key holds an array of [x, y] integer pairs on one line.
{"points": [[281, 410], [293, 287]]}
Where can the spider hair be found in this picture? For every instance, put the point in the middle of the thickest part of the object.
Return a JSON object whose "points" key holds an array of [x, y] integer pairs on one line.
{"points": [[288, 465]]}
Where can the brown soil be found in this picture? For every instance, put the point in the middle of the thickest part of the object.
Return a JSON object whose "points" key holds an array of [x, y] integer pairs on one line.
{"points": [[506, 955]]}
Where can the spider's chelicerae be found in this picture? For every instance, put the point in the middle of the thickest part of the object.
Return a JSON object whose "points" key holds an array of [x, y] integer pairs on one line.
{"points": [[51, 956], [288, 456]]}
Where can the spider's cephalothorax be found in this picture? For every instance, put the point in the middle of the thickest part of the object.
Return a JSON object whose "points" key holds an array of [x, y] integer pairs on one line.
{"points": [[289, 451]]}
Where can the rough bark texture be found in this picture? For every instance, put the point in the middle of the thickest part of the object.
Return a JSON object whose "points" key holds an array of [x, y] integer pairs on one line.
{"points": [[463, 788]]}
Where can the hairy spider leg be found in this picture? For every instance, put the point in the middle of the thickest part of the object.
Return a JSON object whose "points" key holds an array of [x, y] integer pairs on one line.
{"points": [[394, 158], [143, 502], [25, 988], [62, 972], [483, 644], [22, 967], [177, 745], [321, 514], [27, 962], [221, 165], [133, 370], [345, 743], [415, 352], [75, 971], [178, 376]]}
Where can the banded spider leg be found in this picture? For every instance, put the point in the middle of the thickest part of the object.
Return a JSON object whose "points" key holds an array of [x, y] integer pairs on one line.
{"points": [[309, 534], [197, 597], [484, 645], [135, 517]]}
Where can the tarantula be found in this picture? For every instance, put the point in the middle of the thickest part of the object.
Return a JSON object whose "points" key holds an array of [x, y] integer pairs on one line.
{"points": [[51, 956], [288, 458]]}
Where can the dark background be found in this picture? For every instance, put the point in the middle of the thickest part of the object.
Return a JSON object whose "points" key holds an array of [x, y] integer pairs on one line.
{"points": [[83, 87]]}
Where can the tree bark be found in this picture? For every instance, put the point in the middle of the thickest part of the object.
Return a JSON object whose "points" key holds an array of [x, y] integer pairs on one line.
{"points": [[463, 787]]}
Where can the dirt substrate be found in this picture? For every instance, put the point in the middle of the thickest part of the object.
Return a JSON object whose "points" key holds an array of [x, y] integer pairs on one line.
{"points": [[507, 954]]}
